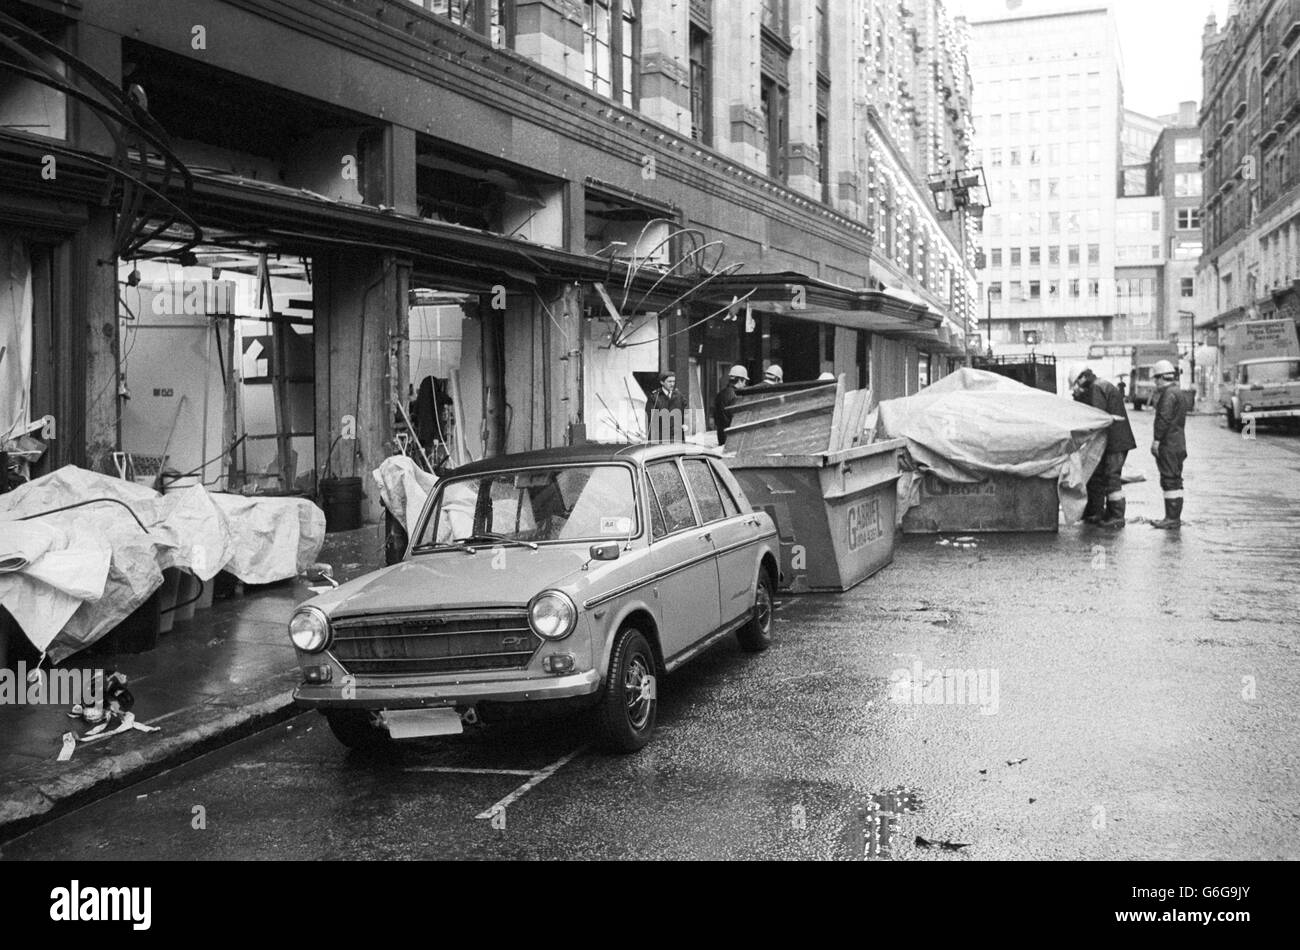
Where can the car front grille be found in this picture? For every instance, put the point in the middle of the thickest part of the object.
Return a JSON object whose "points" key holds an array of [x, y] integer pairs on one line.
{"points": [[446, 641]]}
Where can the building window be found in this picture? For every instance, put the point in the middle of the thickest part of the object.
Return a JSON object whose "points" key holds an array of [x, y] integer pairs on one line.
{"points": [[996, 256], [1094, 253], [824, 156], [1015, 257], [776, 118], [701, 86], [1074, 254], [609, 54], [774, 16], [1187, 151], [627, 52], [488, 17], [1053, 255], [1035, 290], [1035, 255], [1074, 287], [1187, 184], [1187, 287], [995, 157], [1189, 219]]}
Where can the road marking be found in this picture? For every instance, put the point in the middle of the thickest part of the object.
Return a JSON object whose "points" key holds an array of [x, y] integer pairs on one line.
{"points": [[537, 779], [451, 769], [174, 712]]}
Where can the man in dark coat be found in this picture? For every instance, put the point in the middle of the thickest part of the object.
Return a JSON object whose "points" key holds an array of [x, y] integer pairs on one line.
{"points": [[737, 378], [1106, 503], [665, 412], [1169, 444]]}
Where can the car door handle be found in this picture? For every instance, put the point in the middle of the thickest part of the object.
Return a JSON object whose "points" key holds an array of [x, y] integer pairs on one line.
{"points": [[707, 536]]}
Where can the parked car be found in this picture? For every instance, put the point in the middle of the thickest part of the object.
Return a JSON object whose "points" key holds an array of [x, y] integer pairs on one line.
{"points": [[563, 578]]}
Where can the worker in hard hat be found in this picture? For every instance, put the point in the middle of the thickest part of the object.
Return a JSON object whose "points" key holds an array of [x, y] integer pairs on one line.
{"points": [[774, 375], [1170, 441], [1106, 503], [737, 379]]}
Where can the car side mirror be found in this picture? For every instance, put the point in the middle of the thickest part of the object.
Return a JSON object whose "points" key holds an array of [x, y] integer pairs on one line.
{"points": [[604, 552]]}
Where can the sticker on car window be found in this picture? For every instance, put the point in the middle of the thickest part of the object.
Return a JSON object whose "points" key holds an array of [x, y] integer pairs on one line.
{"points": [[615, 525]]}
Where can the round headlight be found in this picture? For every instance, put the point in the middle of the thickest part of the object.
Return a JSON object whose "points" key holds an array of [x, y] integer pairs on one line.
{"points": [[309, 630], [1247, 408], [552, 615]]}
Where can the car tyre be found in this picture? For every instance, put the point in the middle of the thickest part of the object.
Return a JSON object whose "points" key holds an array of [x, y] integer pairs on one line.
{"points": [[354, 728], [756, 635], [1234, 422], [625, 717]]}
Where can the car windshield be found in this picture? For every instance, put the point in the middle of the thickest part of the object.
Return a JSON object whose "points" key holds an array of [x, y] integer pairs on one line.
{"points": [[1272, 374], [562, 503]]}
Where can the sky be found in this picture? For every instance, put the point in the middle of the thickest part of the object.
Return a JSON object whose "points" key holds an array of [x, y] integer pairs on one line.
{"points": [[1160, 42]]}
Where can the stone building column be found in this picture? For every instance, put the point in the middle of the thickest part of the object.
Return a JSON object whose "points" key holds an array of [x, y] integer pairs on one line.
{"points": [[737, 104], [665, 64], [549, 32]]}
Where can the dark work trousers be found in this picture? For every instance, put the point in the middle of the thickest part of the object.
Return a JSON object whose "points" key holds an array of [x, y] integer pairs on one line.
{"points": [[1105, 478], [1169, 462]]}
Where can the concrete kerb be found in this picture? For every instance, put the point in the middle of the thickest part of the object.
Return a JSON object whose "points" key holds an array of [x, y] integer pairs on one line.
{"points": [[24, 806]]}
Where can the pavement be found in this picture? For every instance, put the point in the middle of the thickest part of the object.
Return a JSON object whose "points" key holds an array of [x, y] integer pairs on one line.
{"points": [[1134, 699], [224, 674]]}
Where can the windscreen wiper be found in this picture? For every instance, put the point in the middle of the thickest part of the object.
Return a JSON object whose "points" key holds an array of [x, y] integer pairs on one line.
{"points": [[466, 545], [498, 538]]}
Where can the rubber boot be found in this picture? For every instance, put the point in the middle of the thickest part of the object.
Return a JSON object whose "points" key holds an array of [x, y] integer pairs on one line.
{"points": [[1173, 514], [1115, 514], [1095, 510]]}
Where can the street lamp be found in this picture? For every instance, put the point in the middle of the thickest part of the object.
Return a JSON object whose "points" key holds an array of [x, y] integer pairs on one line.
{"points": [[963, 192]]}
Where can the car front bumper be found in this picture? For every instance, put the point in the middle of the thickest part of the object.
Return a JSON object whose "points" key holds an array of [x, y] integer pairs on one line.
{"points": [[363, 694], [1290, 413]]}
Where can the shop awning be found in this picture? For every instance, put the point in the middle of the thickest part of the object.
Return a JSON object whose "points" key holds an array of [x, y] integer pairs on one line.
{"points": [[469, 259], [804, 298]]}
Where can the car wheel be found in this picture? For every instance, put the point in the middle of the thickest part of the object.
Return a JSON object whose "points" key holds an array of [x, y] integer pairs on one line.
{"points": [[354, 728], [1137, 405], [1234, 423], [626, 715], [756, 636]]}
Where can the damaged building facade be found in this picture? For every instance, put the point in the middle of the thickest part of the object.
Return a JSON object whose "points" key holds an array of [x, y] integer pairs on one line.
{"points": [[258, 242]]}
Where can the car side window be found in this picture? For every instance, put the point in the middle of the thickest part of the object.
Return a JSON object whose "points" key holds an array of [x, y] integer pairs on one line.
{"points": [[666, 481], [657, 527], [729, 505], [704, 489]]}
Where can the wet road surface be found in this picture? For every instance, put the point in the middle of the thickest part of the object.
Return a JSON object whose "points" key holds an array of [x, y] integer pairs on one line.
{"points": [[1132, 694]]}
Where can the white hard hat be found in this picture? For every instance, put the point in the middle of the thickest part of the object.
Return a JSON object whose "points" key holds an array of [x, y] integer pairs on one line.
{"points": [[776, 371], [1163, 368], [825, 376], [740, 371], [1076, 371]]}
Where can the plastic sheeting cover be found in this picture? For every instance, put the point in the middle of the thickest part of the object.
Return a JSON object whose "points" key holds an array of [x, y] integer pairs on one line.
{"points": [[403, 488], [973, 423], [86, 569]]}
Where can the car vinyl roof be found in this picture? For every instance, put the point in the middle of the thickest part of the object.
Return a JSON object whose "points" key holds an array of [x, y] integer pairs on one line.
{"points": [[637, 452]]}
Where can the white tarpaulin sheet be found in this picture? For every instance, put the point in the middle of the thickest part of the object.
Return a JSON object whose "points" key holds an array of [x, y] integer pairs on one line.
{"points": [[76, 574], [972, 424], [403, 488], [274, 538]]}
